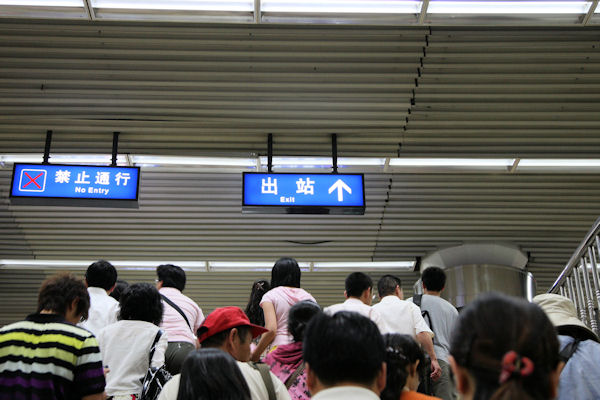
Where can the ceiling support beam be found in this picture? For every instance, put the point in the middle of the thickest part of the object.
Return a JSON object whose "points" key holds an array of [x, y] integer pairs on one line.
{"points": [[424, 7], [257, 12], [513, 168], [590, 13], [89, 9]]}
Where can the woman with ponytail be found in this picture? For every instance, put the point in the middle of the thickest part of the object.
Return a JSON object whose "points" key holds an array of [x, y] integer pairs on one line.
{"points": [[405, 361], [505, 348]]}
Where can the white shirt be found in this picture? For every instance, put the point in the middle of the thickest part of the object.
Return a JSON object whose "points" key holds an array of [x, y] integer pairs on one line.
{"points": [[103, 311], [258, 391], [346, 393], [355, 305], [125, 348], [402, 316]]}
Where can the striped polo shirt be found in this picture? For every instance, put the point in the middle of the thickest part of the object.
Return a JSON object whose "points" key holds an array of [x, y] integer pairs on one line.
{"points": [[45, 357]]}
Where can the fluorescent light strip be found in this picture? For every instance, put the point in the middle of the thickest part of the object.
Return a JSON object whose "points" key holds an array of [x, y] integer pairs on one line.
{"points": [[451, 162], [404, 265], [342, 6], [63, 158], [42, 3], [322, 162], [583, 163], [301, 162], [208, 161], [209, 265], [184, 5], [125, 264], [248, 265], [508, 7]]}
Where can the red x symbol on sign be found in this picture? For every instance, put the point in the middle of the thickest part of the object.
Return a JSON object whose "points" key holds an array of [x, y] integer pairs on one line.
{"points": [[32, 180]]}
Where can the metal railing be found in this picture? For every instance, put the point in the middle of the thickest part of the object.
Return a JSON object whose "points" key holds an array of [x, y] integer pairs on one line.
{"points": [[579, 280]]}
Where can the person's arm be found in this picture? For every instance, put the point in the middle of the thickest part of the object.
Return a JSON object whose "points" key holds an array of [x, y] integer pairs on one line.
{"points": [[424, 338], [270, 324], [96, 396]]}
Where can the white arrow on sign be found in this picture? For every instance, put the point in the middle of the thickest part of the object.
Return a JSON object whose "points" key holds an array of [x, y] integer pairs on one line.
{"points": [[340, 185]]}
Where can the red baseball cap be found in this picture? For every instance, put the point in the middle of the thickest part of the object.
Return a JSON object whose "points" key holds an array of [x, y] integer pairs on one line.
{"points": [[225, 318]]}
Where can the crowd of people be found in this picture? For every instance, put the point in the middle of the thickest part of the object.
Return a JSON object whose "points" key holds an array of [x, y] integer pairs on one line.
{"points": [[98, 338]]}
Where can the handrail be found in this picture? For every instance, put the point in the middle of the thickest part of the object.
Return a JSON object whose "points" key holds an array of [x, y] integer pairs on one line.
{"points": [[576, 257]]}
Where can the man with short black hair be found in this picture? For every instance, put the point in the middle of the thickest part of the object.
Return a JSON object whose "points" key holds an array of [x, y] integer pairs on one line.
{"points": [[443, 317], [100, 279], [230, 330], [405, 318], [47, 356], [344, 357], [359, 288], [182, 316]]}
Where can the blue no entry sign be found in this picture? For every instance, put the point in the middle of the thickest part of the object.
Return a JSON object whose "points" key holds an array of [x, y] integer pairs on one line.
{"points": [[303, 193], [74, 183]]}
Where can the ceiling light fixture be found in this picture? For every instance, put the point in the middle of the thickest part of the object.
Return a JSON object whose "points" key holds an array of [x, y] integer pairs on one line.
{"points": [[342, 6], [214, 266], [42, 3], [451, 162], [208, 161], [364, 266], [187, 5], [508, 7], [557, 162]]}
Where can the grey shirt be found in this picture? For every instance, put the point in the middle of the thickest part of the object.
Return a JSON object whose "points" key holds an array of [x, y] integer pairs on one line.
{"points": [[443, 318]]}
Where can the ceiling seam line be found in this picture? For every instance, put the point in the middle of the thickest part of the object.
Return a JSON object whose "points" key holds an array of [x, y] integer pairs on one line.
{"points": [[382, 218], [413, 98]]}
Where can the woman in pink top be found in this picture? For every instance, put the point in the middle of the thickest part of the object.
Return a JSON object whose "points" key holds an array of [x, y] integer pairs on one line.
{"points": [[276, 303]]}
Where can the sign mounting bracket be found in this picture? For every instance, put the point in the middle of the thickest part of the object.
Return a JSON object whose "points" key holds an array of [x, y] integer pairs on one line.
{"points": [[334, 156], [47, 147]]}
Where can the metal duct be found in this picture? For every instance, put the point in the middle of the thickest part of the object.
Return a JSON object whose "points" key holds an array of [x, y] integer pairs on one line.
{"points": [[472, 269]]}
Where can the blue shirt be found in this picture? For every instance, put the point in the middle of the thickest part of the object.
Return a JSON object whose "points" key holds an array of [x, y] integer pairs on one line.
{"points": [[580, 379]]}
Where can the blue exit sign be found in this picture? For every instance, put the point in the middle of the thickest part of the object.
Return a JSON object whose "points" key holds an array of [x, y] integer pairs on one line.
{"points": [[78, 185], [303, 193]]}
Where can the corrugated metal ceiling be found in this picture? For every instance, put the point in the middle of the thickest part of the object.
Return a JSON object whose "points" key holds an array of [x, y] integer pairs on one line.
{"points": [[218, 90]]}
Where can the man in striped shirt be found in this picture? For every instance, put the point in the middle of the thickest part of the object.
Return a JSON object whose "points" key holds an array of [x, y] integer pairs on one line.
{"points": [[46, 356]]}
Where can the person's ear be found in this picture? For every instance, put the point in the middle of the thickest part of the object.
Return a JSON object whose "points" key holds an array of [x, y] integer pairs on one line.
{"points": [[554, 378], [112, 288], [345, 294], [381, 378], [415, 367], [461, 378], [231, 340], [71, 314]]}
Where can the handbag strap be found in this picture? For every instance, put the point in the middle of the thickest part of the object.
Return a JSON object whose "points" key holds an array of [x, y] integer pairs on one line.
{"points": [[266, 377], [176, 307], [292, 378], [156, 339], [570, 349]]}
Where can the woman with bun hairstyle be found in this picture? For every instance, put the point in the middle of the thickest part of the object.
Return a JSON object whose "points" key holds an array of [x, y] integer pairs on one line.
{"points": [[405, 363], [505, 348], [276, 303], [286, 360]]}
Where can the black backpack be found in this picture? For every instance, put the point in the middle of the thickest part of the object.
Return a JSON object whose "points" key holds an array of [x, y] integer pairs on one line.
{"points": [[426, 385]]}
